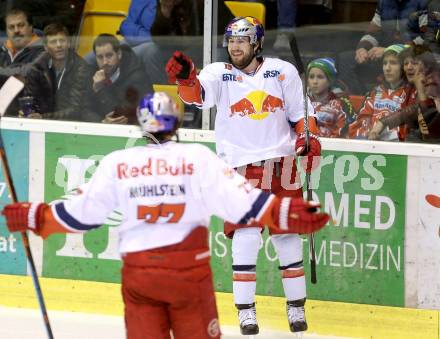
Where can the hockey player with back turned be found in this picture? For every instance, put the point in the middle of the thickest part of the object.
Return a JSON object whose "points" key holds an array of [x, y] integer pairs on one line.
{"points": [[167, 192], [259, 128]]}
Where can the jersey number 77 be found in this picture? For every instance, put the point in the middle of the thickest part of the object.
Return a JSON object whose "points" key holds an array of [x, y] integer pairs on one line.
{"points": [[151, 214]]}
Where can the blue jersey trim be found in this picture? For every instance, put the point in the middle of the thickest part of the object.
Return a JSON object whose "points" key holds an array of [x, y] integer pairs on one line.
{"points": [[71, 221], [256, 207]]}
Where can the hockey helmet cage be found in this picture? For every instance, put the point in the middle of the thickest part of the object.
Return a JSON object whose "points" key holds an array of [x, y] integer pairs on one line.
{"points": [[244, 26], [158, 113]]}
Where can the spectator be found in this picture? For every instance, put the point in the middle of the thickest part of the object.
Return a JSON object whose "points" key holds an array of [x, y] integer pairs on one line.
{"points": [[175, 17], [333, 113], [393, 94], [60, 79], [118, 82], [418, 63], [136, 29], [45, 12], [393, 22], [432, 33], [430, 125], [286, 23], [150, 18], [185, 17], [22, 46]]}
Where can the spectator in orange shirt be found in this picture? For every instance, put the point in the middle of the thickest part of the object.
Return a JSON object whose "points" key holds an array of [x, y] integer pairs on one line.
{"points": [[383, 100]]}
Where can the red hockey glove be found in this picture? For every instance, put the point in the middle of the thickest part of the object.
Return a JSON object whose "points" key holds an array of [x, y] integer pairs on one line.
{"points": [[312, 154], [23, 216], [299, 216], [181, 69]]}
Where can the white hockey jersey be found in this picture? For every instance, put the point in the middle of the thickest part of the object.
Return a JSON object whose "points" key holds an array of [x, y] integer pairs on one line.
{"points": [[253, 111], [164, 192]]}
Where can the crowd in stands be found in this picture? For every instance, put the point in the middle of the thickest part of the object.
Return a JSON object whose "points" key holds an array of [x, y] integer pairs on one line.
{"points": [[403, 107], [394, 70], [60, 84]]}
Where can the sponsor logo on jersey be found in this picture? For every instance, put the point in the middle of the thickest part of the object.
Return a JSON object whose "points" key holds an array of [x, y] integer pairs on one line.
{"points": [[154, 167], [386, 104], [156, 190], [271, 74], [232, 77], [257, 105]]}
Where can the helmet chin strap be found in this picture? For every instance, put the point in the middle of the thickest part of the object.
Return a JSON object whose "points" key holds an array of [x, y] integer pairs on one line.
{"points": [[159, 140], [151, 137]]}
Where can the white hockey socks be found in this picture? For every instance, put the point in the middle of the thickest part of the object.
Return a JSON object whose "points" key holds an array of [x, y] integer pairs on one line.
{"points": [[245, 246], [289, 250]]}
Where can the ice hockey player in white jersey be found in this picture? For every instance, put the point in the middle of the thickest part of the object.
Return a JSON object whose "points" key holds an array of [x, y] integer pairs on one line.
{"points": [[167, 192], [259, 127]]}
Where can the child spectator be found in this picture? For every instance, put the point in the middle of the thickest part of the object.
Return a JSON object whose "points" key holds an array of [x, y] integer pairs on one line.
{"points": [[334, 113], [420, 68], [393, 94]]}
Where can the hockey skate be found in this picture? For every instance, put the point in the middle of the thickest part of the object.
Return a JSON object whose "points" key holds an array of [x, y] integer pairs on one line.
{"points": [[296, 315], [247, 315]]}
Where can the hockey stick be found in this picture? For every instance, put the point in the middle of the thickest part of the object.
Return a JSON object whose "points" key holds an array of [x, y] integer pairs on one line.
{"points": [[301, 70], [8, 92], [296, 56]]}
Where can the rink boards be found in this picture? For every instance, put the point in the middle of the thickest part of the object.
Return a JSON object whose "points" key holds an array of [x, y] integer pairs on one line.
{"points": [[383, 249]]}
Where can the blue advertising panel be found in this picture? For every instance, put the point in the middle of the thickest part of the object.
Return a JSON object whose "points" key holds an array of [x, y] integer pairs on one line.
{"points": [[12, 255]]}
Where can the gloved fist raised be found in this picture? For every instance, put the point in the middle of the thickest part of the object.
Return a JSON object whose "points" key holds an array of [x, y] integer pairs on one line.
{"points": [[311, 154], [181, 69], [23, 216], [296, 215]]}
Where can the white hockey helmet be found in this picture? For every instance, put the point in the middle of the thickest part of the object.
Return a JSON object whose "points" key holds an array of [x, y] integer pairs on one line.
{"points": [[245, 26], [158, 113]]}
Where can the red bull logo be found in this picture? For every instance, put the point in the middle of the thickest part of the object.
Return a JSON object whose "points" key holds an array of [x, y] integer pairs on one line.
{"points": [[257, 105]]}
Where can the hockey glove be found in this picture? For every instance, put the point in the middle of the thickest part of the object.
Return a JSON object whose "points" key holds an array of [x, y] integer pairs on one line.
{"points": [[311, 154], [23, 216], [299, 216], [181, 69]]}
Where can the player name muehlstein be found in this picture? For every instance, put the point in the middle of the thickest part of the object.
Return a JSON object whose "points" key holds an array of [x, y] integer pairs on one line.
{"points": [[156, 190]]}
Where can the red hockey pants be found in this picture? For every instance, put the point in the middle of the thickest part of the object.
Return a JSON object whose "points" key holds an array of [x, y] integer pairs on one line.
{"points": [[169, 289]]}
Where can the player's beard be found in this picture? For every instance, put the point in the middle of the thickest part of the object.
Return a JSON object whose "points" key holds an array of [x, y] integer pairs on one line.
{"points": [[244, 62]]}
